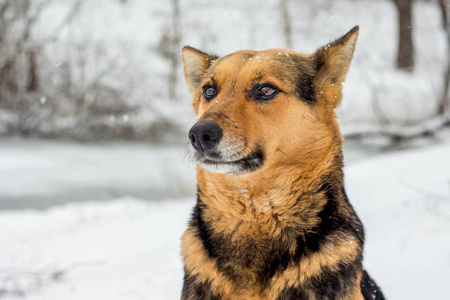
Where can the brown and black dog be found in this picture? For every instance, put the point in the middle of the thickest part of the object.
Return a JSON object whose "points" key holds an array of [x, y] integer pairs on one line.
{"points": [[272, 220]]}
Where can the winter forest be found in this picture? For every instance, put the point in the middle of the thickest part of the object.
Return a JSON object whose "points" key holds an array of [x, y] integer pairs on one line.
{"points": [[96, 186]]}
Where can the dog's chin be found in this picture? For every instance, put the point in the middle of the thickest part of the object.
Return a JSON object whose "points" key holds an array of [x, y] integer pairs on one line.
{"points": [[221, 168], [249, 163]]}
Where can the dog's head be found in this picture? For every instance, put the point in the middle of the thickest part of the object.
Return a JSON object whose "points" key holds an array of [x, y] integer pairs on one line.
{"points": [[257, 109]]}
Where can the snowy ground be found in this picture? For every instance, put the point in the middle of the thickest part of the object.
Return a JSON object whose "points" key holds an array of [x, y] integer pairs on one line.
{"points": [[129, 249]]}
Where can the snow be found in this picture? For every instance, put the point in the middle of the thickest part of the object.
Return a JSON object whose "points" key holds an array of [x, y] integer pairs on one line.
{"points": [[126, 249], [129, 248], [404, 201]]}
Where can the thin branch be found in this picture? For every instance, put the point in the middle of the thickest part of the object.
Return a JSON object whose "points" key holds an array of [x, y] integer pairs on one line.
{"points": [[35, 278], [445, 101], [420, 129], [425, 192], [433, 206], [286, 23], [73, 12]]}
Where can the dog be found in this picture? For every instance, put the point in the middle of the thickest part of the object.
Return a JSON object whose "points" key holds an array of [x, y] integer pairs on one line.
{"points": [[272, 219]]}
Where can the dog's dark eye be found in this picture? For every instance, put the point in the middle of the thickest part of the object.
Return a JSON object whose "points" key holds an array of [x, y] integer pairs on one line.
{"points": [[209, 92], [266, 92]]}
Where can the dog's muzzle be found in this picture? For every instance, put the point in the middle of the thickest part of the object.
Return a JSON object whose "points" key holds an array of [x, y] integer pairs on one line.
{"points": [[212, 153]]}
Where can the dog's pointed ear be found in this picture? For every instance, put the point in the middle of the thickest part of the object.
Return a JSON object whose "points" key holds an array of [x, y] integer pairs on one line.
{"points": [[195, 63], [333, 60]]}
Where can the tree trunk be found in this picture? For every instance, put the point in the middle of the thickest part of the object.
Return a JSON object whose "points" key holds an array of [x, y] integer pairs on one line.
{"points": [[33, 77], [174, 49], [286, 23], [405, 56], [444, 105]]}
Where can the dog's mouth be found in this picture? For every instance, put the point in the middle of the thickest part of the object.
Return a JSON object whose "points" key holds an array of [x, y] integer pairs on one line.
{"points": [[215, 164]]}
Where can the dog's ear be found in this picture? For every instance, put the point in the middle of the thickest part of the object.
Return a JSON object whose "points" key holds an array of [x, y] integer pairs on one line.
{"points": [[195, 63], [333, 60]]}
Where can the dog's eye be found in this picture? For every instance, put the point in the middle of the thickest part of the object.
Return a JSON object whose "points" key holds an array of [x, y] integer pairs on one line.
{"points": [[209, 92], [266, 92]]}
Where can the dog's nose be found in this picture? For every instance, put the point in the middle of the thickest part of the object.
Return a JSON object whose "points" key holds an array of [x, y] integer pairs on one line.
{"points": [[205, 135]]}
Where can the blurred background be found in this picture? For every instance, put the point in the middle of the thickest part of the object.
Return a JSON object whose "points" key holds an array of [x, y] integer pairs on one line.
{"points": [[92, 93], [94, 114]]}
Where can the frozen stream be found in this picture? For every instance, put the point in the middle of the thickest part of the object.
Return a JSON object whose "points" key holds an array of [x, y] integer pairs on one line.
{"points": [[42, 173]]}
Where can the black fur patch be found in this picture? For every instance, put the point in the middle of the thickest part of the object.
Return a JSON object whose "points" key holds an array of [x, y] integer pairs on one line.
{"points": [[193, 291], [357, 230], [306, 88], [328, 286], [302, 77], [304, 82], [332, 283], [202, 229], [254, 161], [331, 221], [292, 293], [251, 162], [370, 289]]}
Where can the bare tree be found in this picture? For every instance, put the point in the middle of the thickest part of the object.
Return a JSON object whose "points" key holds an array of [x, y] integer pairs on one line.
{"points": [[169, 47], [444, 105], [33, 75], [175, 49], [405, 56], [286, 23], [423, 128]]}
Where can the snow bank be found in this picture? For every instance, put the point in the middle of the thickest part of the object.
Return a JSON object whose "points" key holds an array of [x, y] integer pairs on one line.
{"points": [[127, 249]]}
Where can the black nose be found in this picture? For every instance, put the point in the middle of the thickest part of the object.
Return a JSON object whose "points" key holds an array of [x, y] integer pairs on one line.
{"points": [[205, 135]]}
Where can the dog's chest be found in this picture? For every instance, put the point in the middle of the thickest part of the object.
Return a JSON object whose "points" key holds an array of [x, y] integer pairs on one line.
{"points": [[249, 256]]}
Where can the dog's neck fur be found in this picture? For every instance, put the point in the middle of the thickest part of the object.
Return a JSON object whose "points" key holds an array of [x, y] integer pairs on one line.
{"points": [[274, 199]]}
